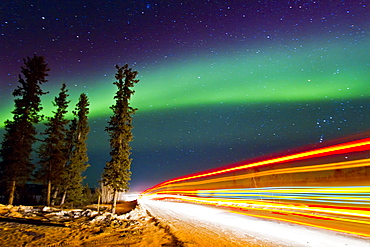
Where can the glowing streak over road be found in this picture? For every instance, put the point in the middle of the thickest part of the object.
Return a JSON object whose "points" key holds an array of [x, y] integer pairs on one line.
{"points": [[327, 188], [354, 146], [313, 168]]}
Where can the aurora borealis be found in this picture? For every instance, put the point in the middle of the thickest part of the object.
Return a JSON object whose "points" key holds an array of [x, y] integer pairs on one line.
{"points": [[219, 81]]}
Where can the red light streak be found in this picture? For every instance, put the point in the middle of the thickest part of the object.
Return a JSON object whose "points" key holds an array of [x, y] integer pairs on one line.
{"points": [[313, 188], [354, 146]]}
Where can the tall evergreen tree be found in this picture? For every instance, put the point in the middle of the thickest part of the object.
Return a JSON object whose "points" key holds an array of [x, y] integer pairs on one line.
{"points": [[117, 172], [53, 151], [77, 162], [20, 132]]}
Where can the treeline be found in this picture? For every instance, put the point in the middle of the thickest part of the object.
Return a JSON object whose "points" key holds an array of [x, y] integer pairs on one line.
{"points": [[62, 150]]}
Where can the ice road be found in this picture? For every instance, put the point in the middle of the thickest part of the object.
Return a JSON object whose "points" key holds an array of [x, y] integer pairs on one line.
{"points": [[199, 225]]}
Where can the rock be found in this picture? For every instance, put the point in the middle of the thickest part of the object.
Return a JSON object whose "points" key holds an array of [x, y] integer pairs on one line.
{"points": [[47, 209], [15, 214]]}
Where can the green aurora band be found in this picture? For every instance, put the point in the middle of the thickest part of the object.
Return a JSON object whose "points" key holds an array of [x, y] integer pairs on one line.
{"points": [[322, 71]]}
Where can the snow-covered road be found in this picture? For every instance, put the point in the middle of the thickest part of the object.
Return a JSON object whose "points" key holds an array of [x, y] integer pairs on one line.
{"points": [[199, 225]]}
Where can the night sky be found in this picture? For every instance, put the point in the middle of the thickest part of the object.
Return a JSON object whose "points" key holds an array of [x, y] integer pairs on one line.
{"points": [[220, 81]]}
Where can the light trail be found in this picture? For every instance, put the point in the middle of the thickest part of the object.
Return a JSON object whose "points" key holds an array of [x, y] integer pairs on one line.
{"points": [[202, 225], [312, 168], [355, 146], [309, 215], [327, 188]]}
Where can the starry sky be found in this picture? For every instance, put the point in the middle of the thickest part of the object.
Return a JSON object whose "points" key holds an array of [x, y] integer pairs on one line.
{"points": [[220, 81]]}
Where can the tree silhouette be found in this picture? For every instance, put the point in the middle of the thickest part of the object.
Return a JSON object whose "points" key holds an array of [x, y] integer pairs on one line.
{"points": [[117, 172], [53, 150], [77, 149], [20, 132]]}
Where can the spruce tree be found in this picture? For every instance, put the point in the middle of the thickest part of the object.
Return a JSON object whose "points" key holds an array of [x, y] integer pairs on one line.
{"points": [[53, 151], [20, 132], [77, 148], [117, 172]]}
